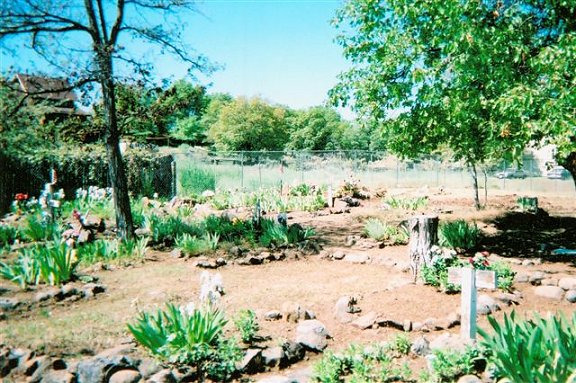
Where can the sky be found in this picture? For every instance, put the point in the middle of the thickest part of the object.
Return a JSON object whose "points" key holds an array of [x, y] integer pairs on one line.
{"points": [[280, 50]]}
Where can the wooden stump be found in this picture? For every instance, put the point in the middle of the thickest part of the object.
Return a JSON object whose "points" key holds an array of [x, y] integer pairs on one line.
{"points": [[423, 235]]}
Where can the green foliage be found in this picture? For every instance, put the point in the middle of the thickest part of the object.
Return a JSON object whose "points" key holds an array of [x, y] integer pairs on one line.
{"points": [[381, 231], [459, 235], [401, 343], [504, 275], [194, 338], [226, 228], [533, 350], [249, 125], [167, 229], [372, 363], [277, 235], [437, 273], [448, 365], [192, 245], [8, 235], [195, 181], [415, 203], [52, 263], [36, 229], [112, 251], [247, 324], [317, 128]]}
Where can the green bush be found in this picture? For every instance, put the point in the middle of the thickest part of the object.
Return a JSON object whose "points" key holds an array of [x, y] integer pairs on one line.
{"points": [[407, 203], [192, 245], [247, 325], [195, 181], [166, 229], [504, 275], [276, 234], [449, 365], [192, 338], [533, 350], [437, 273], [112, 251], [381, 231], [459, 235], [36, 229], [8, 235]]}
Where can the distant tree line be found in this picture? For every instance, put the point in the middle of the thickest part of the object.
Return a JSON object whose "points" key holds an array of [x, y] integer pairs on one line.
{"points": [[182, 112]]}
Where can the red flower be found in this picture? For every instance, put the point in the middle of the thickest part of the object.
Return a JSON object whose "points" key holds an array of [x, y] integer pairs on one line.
{"points": [[21, 197], [471, 260]]}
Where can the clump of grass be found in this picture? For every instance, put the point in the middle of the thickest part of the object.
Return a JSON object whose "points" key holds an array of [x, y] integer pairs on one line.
{"points": [[415, 203], [247, 325], [192, 245], [459, 235], [381, 231], [195, 181]]}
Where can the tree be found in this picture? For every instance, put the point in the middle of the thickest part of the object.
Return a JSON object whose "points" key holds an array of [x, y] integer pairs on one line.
{"points": [[249, 124], [447, 68], [81, 39], [317, 128]]}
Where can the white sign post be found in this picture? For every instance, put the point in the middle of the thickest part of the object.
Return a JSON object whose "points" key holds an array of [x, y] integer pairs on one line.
{"points": [[470, 279]]}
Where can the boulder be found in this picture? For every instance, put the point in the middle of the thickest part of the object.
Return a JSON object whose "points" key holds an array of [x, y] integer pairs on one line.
{"points": [[449, 341], [272, 315], [567, 283], [536, 278], [162, 376], [57, 376], [469, 379], [549, 282], [507, 298], [99, 368], [47, 294], [293, 351], [274, 357], [486, 305], [366, 321], [252, 362], [549, 292], [358, 258], [420, 347], [312, 334], [338, 255], [7, 304], [344, 308], [571, 296], [125, 376]]}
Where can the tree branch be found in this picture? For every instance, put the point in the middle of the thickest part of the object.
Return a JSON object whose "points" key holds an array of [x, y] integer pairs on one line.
{"points": [[117, 22]]}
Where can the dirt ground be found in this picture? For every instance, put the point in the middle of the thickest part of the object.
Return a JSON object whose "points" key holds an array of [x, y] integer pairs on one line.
{"points": [[384, 285]]}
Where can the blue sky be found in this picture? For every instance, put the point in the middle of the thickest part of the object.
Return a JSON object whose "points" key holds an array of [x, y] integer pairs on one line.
{"points": [[280, 50]]}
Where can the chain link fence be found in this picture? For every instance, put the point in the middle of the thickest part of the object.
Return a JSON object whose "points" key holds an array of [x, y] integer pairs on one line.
{"points": [[254, 170]]}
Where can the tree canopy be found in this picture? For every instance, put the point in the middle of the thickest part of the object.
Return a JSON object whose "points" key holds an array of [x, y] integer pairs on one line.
{"points": [[479, 78]]}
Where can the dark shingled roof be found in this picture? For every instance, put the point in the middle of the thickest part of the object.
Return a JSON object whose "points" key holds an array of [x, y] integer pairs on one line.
{"points": [[52, 86]]}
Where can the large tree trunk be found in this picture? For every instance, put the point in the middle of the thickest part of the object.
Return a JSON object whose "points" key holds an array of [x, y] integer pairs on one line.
{"points": [[423, 235], [116, 170]]}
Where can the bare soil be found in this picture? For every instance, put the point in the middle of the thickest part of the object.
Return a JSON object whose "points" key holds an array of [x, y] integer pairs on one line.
{"points": [[383, 285]]}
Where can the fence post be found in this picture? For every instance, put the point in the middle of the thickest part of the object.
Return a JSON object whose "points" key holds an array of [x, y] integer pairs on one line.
{"points": [[174, 179], [242, 170]]}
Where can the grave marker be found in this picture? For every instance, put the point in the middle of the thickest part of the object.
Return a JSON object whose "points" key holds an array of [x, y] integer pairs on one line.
{"points": [[470, 279]]}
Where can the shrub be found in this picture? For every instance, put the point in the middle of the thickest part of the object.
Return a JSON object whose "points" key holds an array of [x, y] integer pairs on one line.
{"points": [[166, 229], [192, 245], [407, 203], [197, 180], [504, 275], [437, 273], [8, 235], [380, 231], [36, 229], [533, 350], [448, 365], [459, 235], [194, 338], [247, 325], [275, 234]]}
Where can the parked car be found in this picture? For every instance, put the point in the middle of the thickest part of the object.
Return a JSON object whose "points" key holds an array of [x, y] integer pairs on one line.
{"points": [[558, 173], [511, 173]]}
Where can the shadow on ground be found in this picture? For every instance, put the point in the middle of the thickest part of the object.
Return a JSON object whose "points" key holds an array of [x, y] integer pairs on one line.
{"points": [[527, 235]]}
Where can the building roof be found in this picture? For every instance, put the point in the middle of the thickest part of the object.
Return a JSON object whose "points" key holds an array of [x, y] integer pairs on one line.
{"points": [[47, 88]]}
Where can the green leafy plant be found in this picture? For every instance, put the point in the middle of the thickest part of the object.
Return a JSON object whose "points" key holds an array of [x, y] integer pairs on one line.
{"points": [[8, 235], [504, 275], [415, 203], [448, 365], [197, 180], [36, 229], [24, 271], [381, 231], [459, 235], [533, 350], [246, 323], [401, 343], [437, 273], [166, 229], [192, 245], [194, 338]]}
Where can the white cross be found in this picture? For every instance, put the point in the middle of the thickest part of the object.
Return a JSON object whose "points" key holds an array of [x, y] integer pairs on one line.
{"points": [[470, 279]]}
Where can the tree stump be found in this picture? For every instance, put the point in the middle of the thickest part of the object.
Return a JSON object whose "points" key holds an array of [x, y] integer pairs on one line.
{"points": [[423, 235]]}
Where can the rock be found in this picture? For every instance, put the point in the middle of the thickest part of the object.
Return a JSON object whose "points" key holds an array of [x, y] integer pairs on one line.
{"points": [[507, 298], [8, 362], [177, 253], [273, 315], [7, 304], [521, 278], [308, 314], [571, 296], [407, 325], [550, 292], [449, 341], [486, 305], [469, 379], [366, 321], [338, 255], [303, 375], [148, 367], [452, 320], [358, 258], [274, 357], [252, 361], [98, 368], [46, 294], [567, 283], [89, 290], [293, 351], [68, 290], [275, 379], [312, 334], [125, 376], [57, 376], [549, 282], [162, 376], [235, 251], [43, 365], [292, 312], [420, 347], [536, 277], [344, 308]]}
